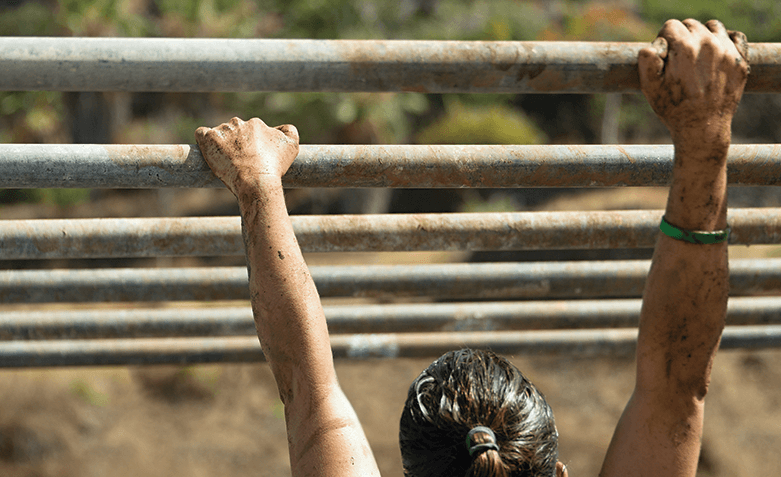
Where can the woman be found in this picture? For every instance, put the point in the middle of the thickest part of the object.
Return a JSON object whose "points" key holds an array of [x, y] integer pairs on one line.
{"points": [[471, 412]]}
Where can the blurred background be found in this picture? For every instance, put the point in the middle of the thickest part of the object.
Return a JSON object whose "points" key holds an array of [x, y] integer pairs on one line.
{"points": [[366, 118], [220, 420]]}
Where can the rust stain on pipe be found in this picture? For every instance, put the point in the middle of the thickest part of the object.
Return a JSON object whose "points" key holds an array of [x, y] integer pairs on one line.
{"points": [[133, 237]]}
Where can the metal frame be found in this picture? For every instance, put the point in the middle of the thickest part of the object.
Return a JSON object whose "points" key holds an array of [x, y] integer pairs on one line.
{"points": [[197, 65], [213, 321], [360, 346], [217, 236], [454, 281], [30, 337], [399, 166]]}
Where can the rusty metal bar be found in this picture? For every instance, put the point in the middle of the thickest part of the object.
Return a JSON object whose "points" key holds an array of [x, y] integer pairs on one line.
{"points": [[526, 280], [396, 318], [200, 65], [125, 237], [218, 236], [152, 166], [19, 354]]}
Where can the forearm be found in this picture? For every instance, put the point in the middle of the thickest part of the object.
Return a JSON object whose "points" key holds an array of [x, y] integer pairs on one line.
{"points": [[684, 306], [288, 315], [685, 299], [323, 432]]}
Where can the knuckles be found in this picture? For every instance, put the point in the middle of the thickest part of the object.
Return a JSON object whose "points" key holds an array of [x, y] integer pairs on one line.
{"points": [[714, 25], [712, 44], [693, 50]]}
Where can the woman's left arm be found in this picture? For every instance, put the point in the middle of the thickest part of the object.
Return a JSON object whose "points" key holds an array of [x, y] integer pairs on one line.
{"points": [[323, 432]]}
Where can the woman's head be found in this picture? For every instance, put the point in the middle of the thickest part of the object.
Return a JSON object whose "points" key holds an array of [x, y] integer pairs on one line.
{"points": [[466, 389]]}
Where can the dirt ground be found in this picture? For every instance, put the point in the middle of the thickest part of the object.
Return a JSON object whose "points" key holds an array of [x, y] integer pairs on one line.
{"points": [[227, 420]]}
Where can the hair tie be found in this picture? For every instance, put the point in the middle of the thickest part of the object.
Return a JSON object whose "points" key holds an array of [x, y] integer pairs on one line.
{"points": [[479, 448]]}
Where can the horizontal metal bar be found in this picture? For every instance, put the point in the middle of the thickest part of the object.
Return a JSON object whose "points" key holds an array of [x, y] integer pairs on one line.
{"points": [[20, 354], [396, 318], [199, 65], [216, 236], [125, 237], [415, 166], [526, 280]]}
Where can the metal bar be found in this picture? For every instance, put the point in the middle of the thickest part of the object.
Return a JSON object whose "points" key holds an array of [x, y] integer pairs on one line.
{"points": [[218, 236], [399, 166], [125, 237], [526, 280], [396, 318], [200, 65], [21, 354]]}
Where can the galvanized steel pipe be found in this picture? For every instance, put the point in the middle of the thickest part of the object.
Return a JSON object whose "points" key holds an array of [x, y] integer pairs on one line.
{"points": [[199, 65], [415, 166], [19, 354], [526, 280], [219, 236], [363, 318]]}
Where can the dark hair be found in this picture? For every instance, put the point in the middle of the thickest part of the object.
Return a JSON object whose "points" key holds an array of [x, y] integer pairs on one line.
{"points": [[468, 388]]}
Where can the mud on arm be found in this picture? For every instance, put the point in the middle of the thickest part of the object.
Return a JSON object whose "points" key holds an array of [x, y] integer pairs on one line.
{"points": [[323, 433], [693, 76]]}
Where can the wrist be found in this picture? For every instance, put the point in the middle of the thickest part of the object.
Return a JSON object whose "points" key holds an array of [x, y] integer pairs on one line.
{"points": [[698, 194], [706, 142], [698, 201], [258, 187]]}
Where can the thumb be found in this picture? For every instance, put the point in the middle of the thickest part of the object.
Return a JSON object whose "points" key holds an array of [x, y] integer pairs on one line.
{"points": [[200, 134], [650, 63], [741, 43], [290, 131]]}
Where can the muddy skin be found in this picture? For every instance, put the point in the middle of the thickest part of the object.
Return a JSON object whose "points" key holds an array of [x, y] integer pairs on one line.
{"points": [[693, 76], [324, 435]]}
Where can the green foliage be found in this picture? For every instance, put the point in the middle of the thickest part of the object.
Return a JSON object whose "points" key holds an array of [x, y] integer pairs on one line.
{"points": [[102, 18], [29, 19], [63, 197], [87, 393], [53, 197], [31, 116], [321, 19], [480, 124], [499, 202], [599, 21], [208, 18], [760, 20], [389, 118], [317, 115]]}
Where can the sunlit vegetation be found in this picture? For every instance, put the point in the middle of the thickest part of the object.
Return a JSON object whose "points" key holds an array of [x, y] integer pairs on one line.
{"points": [[47, 117]]}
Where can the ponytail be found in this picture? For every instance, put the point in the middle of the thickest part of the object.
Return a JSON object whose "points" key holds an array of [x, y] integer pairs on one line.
{"points": [[484, 451], [477, 397]]}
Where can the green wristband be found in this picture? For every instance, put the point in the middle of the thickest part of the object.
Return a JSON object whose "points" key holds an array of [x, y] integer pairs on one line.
{"points": [[693, 236]]}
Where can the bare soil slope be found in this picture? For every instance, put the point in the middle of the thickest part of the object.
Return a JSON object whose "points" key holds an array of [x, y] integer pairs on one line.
{"points": [[226, 420]]}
